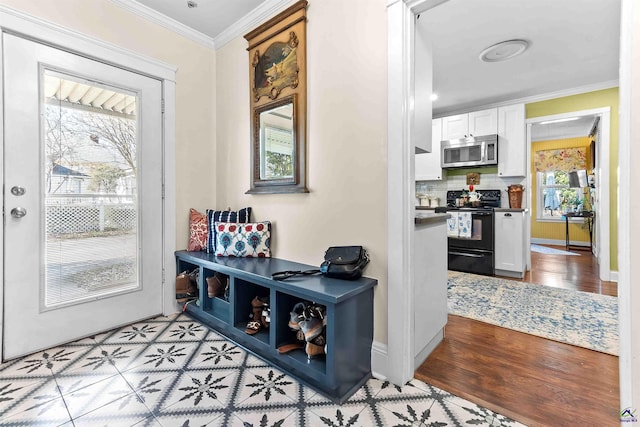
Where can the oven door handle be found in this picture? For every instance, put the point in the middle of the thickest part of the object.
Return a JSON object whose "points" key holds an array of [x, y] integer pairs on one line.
{"points": [[465, 254]]}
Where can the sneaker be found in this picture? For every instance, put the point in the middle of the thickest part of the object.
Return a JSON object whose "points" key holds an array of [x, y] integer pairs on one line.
{"points": [[297, 315]]}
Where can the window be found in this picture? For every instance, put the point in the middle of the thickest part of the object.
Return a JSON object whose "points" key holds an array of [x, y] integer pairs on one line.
{"points": [[554, 195]]}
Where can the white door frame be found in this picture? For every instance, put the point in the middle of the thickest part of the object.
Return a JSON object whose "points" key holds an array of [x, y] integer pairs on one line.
{"points": [[30, 27], [401, 185], [603, 248], [401, 16]]}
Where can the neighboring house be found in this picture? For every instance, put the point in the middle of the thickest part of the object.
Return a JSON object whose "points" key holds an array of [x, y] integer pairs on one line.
{"points": [[67, 181]]}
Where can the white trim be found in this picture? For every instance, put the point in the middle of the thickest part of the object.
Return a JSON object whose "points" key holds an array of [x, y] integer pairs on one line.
{"points": [[534, 98], [54, 35], [379, 360], [169, 202], [166, 22], [628, 370], [602, 226], [257, 16], [401, 16]]}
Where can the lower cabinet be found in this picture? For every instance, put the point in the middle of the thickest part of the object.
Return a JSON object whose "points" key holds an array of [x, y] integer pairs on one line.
{"points": [[510, 251], [348, 333]]}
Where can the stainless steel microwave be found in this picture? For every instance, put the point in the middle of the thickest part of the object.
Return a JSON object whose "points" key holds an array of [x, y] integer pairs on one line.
{"points": [[469, 152]]}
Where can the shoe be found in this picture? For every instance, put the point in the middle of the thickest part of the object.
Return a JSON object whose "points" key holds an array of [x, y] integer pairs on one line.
{"points": [[265, 315], [215, 286], [311, 328], [313, 323], [297, 314], [314, 350], [255, 324]]}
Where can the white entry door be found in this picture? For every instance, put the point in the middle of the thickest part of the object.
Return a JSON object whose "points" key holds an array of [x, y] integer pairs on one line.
{"points": [[83, 196]]}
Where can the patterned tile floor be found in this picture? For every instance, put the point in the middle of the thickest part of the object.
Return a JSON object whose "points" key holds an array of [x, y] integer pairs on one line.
{"points": [[174, 371]]}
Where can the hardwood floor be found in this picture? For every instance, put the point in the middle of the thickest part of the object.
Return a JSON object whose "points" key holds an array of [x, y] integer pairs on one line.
{"points": [[535, 381]]}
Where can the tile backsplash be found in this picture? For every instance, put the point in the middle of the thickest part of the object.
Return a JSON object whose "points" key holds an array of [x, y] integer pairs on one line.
{"points": [[488, 181]]}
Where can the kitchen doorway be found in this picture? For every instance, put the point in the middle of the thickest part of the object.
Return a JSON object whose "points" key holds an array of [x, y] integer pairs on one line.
{"points": [[548, 199]]}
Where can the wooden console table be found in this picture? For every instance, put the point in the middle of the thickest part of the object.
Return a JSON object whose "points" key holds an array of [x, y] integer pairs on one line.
{"points": [[349, 313], [589, 216]]}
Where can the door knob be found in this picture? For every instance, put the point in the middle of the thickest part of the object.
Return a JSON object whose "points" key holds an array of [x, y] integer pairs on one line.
{"points": [[18, 212], [18, 191]]}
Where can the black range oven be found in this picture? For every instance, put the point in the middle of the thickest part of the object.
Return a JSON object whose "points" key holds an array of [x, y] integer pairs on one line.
{"points": [[471, 249]]}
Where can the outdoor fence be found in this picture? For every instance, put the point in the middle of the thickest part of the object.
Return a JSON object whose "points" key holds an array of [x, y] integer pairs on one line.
{"points": [[73, 213]]}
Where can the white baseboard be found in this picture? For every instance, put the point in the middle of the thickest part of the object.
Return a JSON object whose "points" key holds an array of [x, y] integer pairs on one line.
{"points": [[557, 242], [379, 360], [613, 276]]}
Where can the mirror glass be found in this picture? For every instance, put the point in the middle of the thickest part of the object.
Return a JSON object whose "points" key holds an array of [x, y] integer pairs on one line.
{"points": [[277, 143]]}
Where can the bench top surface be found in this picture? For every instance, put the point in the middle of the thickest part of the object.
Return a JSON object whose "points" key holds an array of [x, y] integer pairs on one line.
{"points": [[259, 270]]}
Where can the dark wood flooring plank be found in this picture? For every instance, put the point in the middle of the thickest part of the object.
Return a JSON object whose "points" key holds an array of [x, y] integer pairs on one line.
{"points": [[533, 380]]}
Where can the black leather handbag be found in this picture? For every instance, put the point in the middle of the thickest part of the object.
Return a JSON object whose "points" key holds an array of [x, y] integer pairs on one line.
{"points": [[340, 262], [344, 262]]}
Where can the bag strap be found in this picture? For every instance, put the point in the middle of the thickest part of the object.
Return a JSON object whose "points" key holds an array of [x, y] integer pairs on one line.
{"points": [[282, 275]]}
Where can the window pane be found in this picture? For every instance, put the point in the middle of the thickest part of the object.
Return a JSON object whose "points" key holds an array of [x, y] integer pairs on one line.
{"points": [[89, 190]]}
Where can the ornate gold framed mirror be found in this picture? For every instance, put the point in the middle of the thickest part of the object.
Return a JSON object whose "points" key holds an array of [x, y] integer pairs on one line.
{"points": [[277, 76]]}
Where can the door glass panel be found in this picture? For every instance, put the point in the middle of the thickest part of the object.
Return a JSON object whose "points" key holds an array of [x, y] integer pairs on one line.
{"points": [[90, 190]]}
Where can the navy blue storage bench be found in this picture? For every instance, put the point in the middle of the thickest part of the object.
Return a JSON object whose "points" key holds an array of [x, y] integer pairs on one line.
{"points": [[349, 331]]}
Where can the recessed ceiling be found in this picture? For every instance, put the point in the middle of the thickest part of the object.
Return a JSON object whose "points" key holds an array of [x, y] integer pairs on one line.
{"points": [[573, 44]]}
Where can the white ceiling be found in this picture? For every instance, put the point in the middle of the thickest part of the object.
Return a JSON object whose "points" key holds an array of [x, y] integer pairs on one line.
{"points": [[574, 44], [210, 18]]}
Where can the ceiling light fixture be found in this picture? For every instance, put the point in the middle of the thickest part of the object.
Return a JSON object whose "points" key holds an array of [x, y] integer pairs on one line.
{"points": [[434, 96], [192, 4], [504, 50], [568, 119]]}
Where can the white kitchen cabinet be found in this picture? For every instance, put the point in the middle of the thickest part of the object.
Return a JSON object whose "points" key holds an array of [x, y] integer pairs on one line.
{"points": [[476, 123], [512, 143], [510, 241], [430, 287], [484, 122], [428, 166]]}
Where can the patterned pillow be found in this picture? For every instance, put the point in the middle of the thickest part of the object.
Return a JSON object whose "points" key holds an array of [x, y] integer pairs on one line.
{"points": [[243, 215], [251, 239], [198, 231]]}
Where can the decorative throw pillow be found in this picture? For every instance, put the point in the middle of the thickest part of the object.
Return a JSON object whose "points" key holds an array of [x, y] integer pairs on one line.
{"points": [[243, 215], [198, 231], [243, 240]]}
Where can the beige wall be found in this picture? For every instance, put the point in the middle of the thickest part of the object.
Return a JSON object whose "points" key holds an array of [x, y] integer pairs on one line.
{"points": [[634, 205], [195, 87], [347, 115]]}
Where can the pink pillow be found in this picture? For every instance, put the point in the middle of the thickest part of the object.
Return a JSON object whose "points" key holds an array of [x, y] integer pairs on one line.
{"points": [[198, 231]]}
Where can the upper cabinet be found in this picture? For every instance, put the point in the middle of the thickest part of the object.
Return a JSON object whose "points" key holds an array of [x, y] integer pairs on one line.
{"points": [[512, 142], [428, 166], [476, 123]]}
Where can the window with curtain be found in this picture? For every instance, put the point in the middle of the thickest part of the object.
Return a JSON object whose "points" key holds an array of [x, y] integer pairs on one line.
{"points": [[555, 197]]}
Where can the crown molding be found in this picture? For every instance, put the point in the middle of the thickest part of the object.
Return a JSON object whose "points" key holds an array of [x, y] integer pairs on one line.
{"points": [[166, 22], [251, 20], [534, 98]]}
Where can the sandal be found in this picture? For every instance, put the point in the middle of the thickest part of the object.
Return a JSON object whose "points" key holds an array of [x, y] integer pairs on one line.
{"points": [[252, 327]]}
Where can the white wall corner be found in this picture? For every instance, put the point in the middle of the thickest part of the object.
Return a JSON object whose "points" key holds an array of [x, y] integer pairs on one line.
{"points": [[379, 360]]}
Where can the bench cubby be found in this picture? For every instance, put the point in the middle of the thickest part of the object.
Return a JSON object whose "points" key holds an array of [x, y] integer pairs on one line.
{"points": [[349, 317]]}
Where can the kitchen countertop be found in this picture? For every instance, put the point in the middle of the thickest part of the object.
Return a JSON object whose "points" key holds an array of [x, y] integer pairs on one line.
{"points": [[511, 210], [431, 218]]}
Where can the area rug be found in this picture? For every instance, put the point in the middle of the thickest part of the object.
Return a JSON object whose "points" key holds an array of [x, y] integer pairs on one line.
{"points": [[550, 251], [577, 318]]}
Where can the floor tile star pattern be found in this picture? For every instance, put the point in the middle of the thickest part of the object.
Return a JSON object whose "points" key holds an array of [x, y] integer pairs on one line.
{"points": [[174, 371]]}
